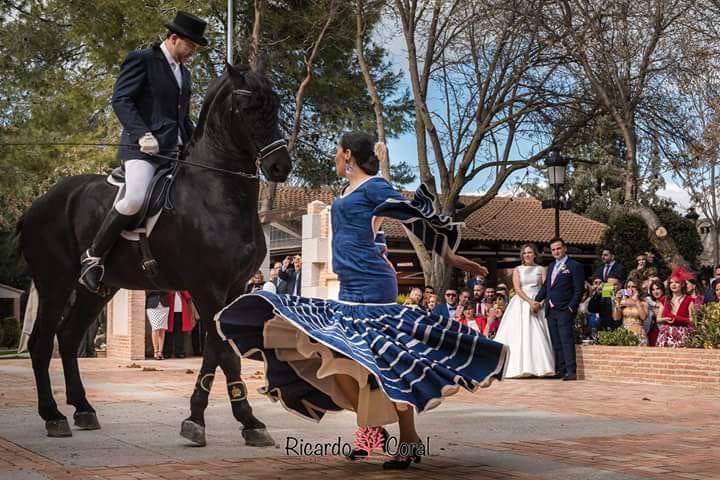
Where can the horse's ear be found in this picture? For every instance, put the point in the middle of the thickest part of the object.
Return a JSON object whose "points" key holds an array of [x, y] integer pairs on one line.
{"points": [[234, 72], [261, 63]]}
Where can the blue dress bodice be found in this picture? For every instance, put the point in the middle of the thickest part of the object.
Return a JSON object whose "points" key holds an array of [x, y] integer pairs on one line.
{"points": [[364, 274]]}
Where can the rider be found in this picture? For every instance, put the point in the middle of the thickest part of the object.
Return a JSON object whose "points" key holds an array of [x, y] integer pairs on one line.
{"points": [[152, 101]]}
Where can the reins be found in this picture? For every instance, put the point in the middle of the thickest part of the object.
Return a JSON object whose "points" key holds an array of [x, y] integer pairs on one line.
{"points": [[261, 155]]}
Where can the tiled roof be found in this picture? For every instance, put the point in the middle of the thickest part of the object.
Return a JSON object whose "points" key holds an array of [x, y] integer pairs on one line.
{"points": [[503, 219]]}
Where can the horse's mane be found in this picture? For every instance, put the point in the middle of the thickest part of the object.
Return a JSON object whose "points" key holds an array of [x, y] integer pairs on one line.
{"points": [[254, 81]]}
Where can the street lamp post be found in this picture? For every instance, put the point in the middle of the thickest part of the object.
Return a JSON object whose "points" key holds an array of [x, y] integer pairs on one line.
{"points": [[556, 165], [230, 31]]}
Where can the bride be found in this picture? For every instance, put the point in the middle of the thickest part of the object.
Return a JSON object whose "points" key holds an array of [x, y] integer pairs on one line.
{"points": [[524, 328]]}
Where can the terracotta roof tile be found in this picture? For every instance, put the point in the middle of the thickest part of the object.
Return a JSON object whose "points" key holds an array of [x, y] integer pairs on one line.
{"points": [[503, 219]]}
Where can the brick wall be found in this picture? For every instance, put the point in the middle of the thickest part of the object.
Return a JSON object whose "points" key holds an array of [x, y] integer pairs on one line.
{"points": [[126, 326], [667, 366]]}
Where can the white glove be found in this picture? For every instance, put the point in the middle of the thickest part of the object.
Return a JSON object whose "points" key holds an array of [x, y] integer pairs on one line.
{"points": [[149, 144]]}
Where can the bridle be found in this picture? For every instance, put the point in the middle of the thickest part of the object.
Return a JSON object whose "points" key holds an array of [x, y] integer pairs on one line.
{"points": [[261, 154]]}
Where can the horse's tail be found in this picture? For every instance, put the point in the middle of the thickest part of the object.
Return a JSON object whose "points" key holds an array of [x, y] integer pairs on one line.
{"points": [[18, 242], [31, 308], [29, 319]]}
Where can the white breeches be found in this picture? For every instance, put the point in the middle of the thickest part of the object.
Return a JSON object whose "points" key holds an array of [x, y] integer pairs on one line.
{"points": [[138, 175]]}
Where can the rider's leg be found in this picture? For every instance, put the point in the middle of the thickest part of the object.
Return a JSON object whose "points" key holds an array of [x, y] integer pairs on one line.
{"points": [[138, 175]]}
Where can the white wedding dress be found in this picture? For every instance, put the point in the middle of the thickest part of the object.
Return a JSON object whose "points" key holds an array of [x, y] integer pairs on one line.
{"points": [[525, 333]]}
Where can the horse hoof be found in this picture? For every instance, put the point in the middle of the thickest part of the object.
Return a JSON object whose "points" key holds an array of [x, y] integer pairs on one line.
{"points": [[257, 437], [193, 432], [58, 428], [86, 421]]}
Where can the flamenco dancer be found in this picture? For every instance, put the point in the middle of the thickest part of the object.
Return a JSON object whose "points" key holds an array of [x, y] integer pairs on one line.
{"points": [[364, 352]]}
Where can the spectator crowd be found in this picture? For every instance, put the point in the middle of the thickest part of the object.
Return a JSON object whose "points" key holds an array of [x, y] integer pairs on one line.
{"points": [[658, 310]]}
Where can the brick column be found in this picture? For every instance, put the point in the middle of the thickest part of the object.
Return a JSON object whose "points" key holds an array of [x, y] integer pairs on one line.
{"points": [[126, 326], [314, 250]]}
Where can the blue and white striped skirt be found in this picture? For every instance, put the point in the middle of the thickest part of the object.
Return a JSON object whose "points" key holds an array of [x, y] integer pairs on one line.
{"points": [[396, 353]]}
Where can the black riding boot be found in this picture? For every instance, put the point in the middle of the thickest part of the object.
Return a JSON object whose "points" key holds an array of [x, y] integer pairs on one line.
{"points": [[92, 269]]}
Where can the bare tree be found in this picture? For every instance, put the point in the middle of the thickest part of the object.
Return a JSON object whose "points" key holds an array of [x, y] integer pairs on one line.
{"points": [[625, 50], [694, 148], [484, 80]]}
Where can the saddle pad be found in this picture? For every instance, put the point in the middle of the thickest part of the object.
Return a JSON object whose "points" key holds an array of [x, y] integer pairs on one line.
{"points": [[134, 234]]}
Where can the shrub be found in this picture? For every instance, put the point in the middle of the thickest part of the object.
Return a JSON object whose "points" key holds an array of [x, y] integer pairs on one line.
{"points": [[707, 327], [620, 337], [9, 332]]}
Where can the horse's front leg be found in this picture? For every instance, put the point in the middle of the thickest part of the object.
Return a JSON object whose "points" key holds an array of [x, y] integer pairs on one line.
{"points": [[193, 427], [217, 352], [254, 431]]}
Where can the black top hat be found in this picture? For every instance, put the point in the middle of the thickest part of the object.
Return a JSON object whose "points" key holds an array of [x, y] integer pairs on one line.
{"points": [[189, 26]]}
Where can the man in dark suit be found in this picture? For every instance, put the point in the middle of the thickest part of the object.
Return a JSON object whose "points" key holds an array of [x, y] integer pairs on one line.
{"points": [[562, 292], [447, 308], [151, 99], [710, 290], [292, 274], [610, 267]]}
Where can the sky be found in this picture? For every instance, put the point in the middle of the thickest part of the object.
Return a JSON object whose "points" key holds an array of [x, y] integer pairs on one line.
{"points": [[404, 148]]}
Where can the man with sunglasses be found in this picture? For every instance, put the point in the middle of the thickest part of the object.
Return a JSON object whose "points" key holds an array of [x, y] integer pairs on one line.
{"points": [[151, 99], [447, 308]]}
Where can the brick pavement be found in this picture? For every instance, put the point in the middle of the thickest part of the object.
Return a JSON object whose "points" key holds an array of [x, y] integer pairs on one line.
{"points": [[690, 453]]}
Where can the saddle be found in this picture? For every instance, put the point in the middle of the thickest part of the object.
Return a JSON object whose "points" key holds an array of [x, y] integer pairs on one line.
{"points": [[157, 199]]}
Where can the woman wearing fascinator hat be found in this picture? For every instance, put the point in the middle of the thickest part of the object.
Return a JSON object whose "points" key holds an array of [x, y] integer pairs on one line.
{"points": [[675, 320]]}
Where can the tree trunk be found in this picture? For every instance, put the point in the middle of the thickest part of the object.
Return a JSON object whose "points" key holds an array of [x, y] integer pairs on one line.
{"points": [[376, 102], [714, 215], [664, 244], [631, 177], [424, 257], [257, 32], [442, 276], [715, 244]]}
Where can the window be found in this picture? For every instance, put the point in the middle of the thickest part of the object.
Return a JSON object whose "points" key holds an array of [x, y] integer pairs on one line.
{"points": [[280, 238]]}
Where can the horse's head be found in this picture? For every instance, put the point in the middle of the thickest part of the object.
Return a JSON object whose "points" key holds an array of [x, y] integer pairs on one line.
{"points": [[244, 110]]}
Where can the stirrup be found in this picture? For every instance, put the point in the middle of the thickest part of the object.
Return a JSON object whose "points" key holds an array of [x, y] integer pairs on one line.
{"points": [[89, 263]]}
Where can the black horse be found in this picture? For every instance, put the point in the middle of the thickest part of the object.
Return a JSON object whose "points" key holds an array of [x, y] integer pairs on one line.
{"points": [[210, 244]]}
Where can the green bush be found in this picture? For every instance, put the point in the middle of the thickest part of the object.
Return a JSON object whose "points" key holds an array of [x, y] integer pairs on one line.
{"points": [[9, 332], [627, 236], [707, 327], [619, 337]]}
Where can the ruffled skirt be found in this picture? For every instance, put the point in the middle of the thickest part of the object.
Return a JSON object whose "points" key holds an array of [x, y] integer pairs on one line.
{"points": [[395, 353], [674, 337]]}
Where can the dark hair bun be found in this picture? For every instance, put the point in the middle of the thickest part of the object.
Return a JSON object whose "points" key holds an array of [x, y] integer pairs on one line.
{"points": [[362, 147]]}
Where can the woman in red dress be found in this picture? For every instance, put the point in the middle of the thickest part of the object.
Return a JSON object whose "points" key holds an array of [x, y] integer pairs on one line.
{"points": [[675, 320], [179, 323], [487, 326]]}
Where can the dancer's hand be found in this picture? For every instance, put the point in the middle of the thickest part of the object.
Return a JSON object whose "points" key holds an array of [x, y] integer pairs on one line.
{"points": [[462, 263]]}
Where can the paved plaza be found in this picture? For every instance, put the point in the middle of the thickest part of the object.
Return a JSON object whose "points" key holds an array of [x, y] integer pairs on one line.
{"points": [[517, 429]]}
